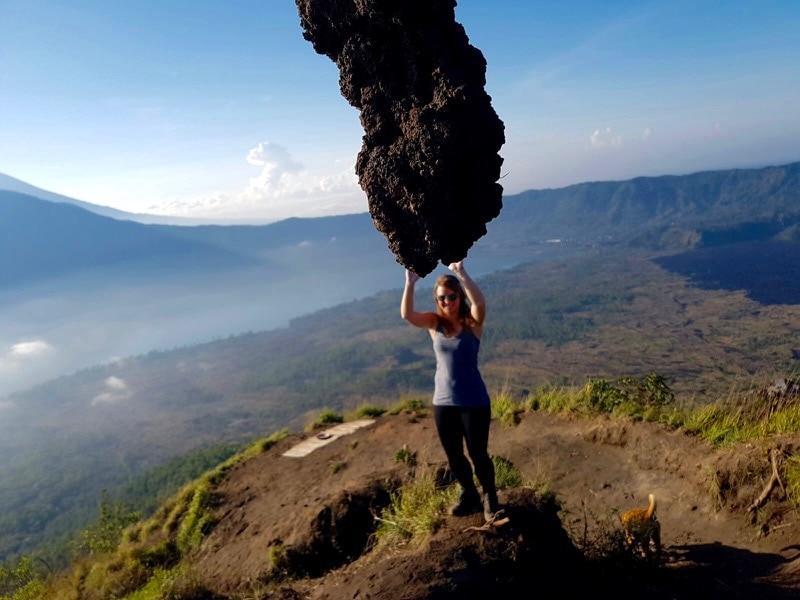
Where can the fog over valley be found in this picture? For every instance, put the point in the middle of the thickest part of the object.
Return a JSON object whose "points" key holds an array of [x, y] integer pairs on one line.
{"points": [[55, 327]]}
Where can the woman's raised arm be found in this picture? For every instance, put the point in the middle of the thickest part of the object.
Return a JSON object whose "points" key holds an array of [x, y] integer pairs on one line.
{"points": [[474, 295], [425, 320]]}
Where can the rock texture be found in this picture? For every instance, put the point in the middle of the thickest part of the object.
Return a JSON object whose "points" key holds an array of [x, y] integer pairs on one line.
{"points": [[429, 162]]}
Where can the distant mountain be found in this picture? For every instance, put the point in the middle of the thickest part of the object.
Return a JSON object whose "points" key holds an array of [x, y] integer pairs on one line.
{"points": [[350, 229], [687, 209], [12, 184], [41, 239]]}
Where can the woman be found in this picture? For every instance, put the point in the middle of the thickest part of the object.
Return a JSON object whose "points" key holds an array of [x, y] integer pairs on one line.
{"points": [[461, 405]]}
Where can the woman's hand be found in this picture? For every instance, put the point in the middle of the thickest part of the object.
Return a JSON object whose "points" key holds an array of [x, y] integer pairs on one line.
{"points": [[411, 277], [457, 268]]}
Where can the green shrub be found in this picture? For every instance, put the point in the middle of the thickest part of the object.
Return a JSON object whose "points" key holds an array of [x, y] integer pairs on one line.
{"points": [[506, 409], [327, 416], [410, 405], [602, 396], [281, 563], [369, 411], [178, 507], [162, 554], [105, 533], [113, 578], [33, 590], [628, 396], [198, 521], [13, 579], [506, 475], [415, 510], [405, 455], [792, 478], [176, 584], [555, 400]]}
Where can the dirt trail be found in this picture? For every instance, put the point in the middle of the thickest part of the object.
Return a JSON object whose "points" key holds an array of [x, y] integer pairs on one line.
{"points": [[597, 468]]}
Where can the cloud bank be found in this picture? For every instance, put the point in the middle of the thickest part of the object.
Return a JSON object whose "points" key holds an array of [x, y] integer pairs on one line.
{"points": [[284, 187]]}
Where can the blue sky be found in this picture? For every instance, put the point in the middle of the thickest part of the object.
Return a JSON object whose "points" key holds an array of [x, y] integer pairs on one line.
{"points": [[221, 110]]}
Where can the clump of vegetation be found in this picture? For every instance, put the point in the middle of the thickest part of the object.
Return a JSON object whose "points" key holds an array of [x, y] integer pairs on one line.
{"points": [[409, 405], [20, 581], [176, 584], [629, 396], [327, 416], [369, 411], [713, 485], [792, 478], [104, 534], [743, 417], [648, 398], [264, 444], [554, 399], [420, 507], [279, 561], [415, 510], [198, 520], [507, 409], [506, 475], [406, 455]]}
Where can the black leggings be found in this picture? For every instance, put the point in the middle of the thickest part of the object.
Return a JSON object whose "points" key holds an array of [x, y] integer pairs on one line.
{"points": [[456, 424]]}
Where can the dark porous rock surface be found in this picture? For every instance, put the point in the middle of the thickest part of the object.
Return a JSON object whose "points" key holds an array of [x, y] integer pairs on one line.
{"points": [[429, 162]]}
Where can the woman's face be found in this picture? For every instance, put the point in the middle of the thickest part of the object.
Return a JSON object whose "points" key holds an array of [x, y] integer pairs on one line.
{"points": [[448, 301]]}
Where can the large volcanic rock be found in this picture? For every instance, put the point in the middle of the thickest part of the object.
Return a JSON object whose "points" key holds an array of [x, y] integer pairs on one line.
{"points": [[429, 162]]}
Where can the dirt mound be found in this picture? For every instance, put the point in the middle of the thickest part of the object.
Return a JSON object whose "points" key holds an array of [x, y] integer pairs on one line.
{"points": [[302, 528], [465, 560]]}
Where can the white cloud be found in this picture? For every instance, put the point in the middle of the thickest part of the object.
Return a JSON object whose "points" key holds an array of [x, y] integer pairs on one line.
{"points": [[647, 133], [283, 188], [279, 171], [23, 353], [268, 153], [283, 177], [604, 138], [32, 349], [116, 390]]}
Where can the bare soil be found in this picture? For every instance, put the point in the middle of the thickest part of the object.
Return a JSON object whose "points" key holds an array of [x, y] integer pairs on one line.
{"points": [[302, 527]]}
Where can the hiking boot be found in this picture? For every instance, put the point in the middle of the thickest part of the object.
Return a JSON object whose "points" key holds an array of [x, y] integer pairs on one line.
{"points": [[490, 505], [469, 503]]}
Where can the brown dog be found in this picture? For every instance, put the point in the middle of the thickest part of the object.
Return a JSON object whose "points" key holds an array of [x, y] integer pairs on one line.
{"points": [[642, 529]]}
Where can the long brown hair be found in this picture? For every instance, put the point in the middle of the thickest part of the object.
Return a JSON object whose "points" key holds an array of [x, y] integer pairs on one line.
{"points": [[451, 282]]}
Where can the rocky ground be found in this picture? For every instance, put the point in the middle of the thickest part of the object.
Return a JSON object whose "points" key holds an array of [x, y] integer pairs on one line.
{"points": [[302, 527]]}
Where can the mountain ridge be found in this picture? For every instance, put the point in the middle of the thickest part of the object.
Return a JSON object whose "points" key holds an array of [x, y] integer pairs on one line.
{"points": [[69, 238], [666, 211]]}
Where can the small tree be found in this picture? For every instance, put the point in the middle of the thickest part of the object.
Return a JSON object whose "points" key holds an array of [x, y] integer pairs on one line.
{"points": [[104, 535], [17, 577]]}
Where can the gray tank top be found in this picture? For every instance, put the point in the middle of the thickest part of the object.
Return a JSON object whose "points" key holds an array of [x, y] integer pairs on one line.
{"points": [[458, 381]]}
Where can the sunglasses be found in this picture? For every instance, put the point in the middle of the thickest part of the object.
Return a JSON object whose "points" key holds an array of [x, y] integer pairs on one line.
{"points": [[450, 297]]}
